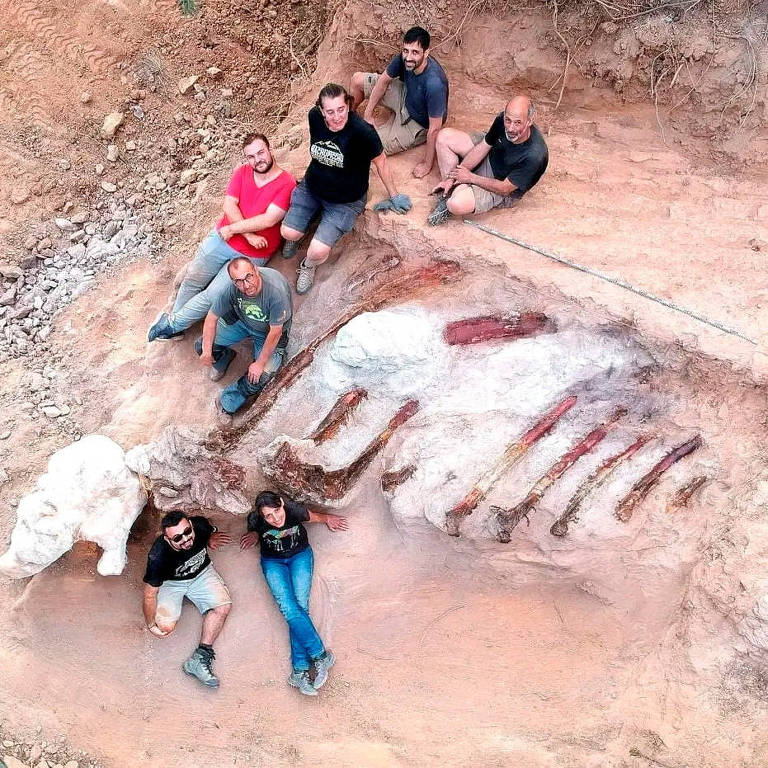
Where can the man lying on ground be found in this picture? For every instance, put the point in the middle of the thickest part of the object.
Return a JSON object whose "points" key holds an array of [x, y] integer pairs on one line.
{"points": [[257, 198], [257, 305], [414, 88], [178, 566], [496, 170]]}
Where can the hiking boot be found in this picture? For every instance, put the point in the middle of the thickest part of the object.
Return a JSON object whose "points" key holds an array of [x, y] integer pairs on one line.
{"points": [[219, 368], [306, 277], [300, 679], [289, 249], [162, 330], [440, 213], [225, 418], [199, 665], [322, 665]]}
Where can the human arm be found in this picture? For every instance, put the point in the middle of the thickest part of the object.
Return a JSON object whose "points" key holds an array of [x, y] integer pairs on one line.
{"points": [[377, 93], [149, 607], [461, 175], [209, 334], [239, 225], [385, 174], [333, 522], [256, 368], [425, 166], [395, 202]]}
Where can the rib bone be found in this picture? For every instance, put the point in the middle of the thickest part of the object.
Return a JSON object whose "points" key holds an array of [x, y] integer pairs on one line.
{"points": [[391, 480], [683, 494], [594, 481], [643, 486], [474, 330], [338, 415], [513, 453], [509, 518]]}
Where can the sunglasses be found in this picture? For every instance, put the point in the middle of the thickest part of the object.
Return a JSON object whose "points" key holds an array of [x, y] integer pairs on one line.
{"points": [[180, 536]]}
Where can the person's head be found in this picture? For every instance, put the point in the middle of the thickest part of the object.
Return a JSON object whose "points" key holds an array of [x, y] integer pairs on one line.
{"points": [[178, 531], [244, 275], [518, 119], [415, 48], [270, 506], [257, 153], [334, 102]]}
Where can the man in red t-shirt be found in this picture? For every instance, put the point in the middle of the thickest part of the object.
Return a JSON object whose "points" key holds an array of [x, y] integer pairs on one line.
{"points": [[258, 195]]}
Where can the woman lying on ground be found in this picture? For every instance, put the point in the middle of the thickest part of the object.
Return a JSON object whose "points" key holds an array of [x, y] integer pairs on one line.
{"points": [[287, 562]]}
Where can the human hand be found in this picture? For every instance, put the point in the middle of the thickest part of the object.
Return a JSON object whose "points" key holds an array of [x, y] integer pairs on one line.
{"points": [[206, 359], [461, 175], [420, 170], [444, 187], [248, 540], [219, 539], [336, 522], [226, 232], [156, 631], [255, 369], [257, 241]]}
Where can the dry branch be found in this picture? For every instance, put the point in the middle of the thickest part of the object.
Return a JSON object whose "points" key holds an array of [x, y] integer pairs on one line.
{"points": [[509, 518], [646, 483], [513, 453]]}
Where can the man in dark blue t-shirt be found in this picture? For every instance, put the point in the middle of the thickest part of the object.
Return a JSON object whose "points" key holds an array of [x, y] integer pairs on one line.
{"points": [[415, 88], [489, 170]]}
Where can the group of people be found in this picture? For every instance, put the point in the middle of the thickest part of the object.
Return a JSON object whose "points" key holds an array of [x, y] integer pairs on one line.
{"points": [[179, 566], [228, 285]]}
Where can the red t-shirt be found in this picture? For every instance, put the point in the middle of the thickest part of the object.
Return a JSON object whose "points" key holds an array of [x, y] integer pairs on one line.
{"points": [[254, 200]]}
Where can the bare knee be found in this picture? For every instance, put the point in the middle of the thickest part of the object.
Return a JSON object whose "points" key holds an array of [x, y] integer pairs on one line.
{"points": [[317, 251], [462, 201], [166, 627], [358, 79], [291, 234]]}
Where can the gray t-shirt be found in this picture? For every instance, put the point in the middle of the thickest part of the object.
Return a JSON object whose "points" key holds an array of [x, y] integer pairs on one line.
{"points": [[273, 305]]}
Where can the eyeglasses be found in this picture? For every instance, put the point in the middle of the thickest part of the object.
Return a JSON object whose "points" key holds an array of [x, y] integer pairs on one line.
{"points": [[249, 279], [183, 535]]}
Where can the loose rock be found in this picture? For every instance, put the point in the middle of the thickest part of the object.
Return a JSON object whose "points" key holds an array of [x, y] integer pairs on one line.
{"points": [[187, 82], [111, 123]]}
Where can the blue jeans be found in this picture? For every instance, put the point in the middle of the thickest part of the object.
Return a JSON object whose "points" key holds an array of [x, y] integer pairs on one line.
{"points": [[206, 278], [290, 580], [234, 396]]}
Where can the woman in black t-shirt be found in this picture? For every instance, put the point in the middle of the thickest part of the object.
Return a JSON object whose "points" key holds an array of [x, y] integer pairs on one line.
{"points": [[342, 146], [287, 562]]}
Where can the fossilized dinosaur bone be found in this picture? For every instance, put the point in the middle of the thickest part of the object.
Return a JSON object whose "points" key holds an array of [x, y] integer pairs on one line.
{"points": [[513, 453], [474, 330], [315, 482], [408, 284], [594, 481], [643, 486], [684, 493], [338, 415], [395, 478], [509, 518]]}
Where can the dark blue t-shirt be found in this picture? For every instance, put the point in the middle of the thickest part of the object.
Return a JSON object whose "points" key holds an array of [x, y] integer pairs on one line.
{"points": [[426, 95]]}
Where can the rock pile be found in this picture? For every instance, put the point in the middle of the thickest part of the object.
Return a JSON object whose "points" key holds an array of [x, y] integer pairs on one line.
{"points": [[36, 752]]}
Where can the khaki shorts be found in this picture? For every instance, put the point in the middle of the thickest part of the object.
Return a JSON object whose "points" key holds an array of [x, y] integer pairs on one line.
{"points": [[400, 132], [207, 591], [485, 200]]}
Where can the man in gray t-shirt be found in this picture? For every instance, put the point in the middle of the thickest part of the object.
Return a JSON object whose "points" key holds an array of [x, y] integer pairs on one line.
{"points": [[256, 305]]}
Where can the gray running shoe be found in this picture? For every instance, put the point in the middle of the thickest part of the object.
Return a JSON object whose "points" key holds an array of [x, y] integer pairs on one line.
{"points": [[306, 277], [161, 329], [225, 418], [322, 665], [440, 213], [219, 368], [289, 249], [199, 665], [300, 679]]}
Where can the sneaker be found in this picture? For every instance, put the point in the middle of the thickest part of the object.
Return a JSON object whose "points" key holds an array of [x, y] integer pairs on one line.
{"points": [[199, 665], [322, 665], [289, 249], [440, 213], [216, 373], [161, 329], [300, 679], [306, 277], [225, 418]]}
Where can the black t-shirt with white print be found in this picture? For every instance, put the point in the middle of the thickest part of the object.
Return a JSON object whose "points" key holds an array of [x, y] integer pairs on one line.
{"points": [[341, 160], [164, 563], [523, 164], [286, 540]]}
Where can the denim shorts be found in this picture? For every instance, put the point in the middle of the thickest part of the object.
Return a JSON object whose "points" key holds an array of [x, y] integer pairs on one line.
{"points": [[336, 219], [207, 590]]}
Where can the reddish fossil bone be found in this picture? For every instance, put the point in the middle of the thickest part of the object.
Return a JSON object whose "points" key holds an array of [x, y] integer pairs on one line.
{"points": [[314, 481], [513, 453], [474, 330], [405, 284], [684, 493], [338, 415], [391, 480], [509, 518], [643, 486], [594, 481]]}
